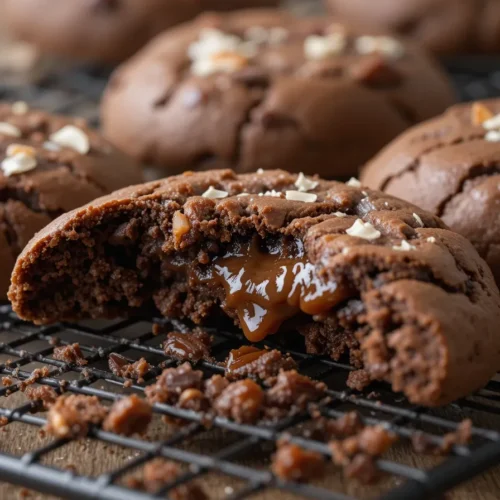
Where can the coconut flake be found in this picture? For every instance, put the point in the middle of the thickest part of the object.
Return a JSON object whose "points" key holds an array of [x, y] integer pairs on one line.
{"points": [[73, 138], [301, 196], [51, 146], [431, 239], [363, 230], [10, 130], [213, 193], [353, 182], [260, 171], [493, 136], [318, 47], [304, 184], [419, 220], [18, 164], [492, 123], [224, 62], [404, 247], [341, 215], [273, 193]]}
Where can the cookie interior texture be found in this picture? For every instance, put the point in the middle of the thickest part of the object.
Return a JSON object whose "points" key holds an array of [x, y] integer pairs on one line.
{"points": [[450, 166], [352, 270], [261, 88], [59, 179]]}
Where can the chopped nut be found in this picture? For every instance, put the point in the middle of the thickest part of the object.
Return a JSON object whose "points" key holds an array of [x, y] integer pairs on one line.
{"points": [[480, 113], [72, 137], [213, 193], [300, 196], [18, 164], [14, 149], [304, 184], [10, 130], [363, 230], [180, 226]]}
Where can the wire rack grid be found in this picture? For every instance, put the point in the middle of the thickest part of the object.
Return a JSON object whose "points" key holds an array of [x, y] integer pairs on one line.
{"points": [[28, 346]]}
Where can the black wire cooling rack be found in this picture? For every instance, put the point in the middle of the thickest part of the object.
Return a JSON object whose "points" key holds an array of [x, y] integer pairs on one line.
{"points": [[27, 346]]}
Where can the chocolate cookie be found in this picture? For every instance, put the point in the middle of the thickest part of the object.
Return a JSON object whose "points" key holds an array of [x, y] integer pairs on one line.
{"points": [[104, 30], [49, 165], [350, 269], [450, 166], [265, 89], [443, 26]]}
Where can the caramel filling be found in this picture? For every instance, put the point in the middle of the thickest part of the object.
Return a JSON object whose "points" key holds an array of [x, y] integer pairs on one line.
{"points": [[246, 354], [266, 286]]}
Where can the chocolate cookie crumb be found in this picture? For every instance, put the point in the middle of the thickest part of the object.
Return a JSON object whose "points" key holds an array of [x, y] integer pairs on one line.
{"points": [[193, 346], [214, 386], [159, 472], [249, 361], [70, 354], [358, 380], [172, 383], [461, 436], [129, 415], [241, 401], [126, 368], [293, 463], [70, 416], [43, 393], [36, 374]]}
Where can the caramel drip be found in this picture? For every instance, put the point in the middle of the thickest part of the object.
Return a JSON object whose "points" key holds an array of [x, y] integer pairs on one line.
{"points": [[266, 288]]}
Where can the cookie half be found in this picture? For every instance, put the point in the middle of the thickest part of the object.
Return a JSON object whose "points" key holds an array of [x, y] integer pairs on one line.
{"points": [[350, 269]]}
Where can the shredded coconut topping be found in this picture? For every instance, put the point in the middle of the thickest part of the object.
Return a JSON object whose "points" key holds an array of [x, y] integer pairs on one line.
{"points": [[301, 196], [213, 193], [363, 230], [18, 164], [273, 193], [51, 146], [19, 108], [353, 182], [14, 149], [318, 47], [431, 239], [404, 247], [304, 184], [73, 138], [10, 130], [260, 171], [385, 45], [341, 215], [418, 219], [493, 136], [492, 123]]}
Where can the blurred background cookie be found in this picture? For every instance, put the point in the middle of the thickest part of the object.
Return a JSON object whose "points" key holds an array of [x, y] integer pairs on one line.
{"points": [[105, 31], [451, 167], [443, 26], [265, 89], [48, 165]]}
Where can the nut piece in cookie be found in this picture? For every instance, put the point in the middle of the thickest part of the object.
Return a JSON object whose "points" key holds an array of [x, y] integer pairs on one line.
{"points": [[449, 166], [356, 271], [267, 89]]}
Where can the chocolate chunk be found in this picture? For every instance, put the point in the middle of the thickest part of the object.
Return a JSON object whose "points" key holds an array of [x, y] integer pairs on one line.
{"points": [[172, 383], [123, 367], [129, 415], [293, 463], [71, 415], [193, 346], [241, 401], [70, 354], [248, 361]]}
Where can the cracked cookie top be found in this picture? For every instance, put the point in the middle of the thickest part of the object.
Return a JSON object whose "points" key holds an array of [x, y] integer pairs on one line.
{"points": [[49, 165], [264, 89], [450, 166]]}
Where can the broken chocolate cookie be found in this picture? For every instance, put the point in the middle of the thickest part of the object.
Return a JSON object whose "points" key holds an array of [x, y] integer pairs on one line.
{"points": [[276, 252]]}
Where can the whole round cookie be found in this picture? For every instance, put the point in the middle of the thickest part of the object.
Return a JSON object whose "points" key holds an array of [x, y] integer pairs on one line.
{"points": [[48, 165], [450, 166], [104, 30], [354, 271], [443, 26], [264, 89]]}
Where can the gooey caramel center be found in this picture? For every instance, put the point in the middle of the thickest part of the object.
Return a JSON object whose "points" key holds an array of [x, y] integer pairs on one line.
{"points": [[266, 286]]}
